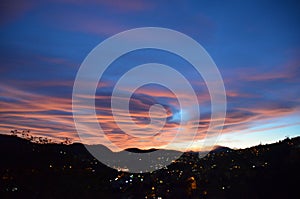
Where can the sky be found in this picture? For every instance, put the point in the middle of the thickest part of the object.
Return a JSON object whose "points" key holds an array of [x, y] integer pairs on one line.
{"points": [[255, 45]]}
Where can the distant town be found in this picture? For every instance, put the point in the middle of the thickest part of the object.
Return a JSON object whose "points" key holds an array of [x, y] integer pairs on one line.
{"points": [[38, 168]]}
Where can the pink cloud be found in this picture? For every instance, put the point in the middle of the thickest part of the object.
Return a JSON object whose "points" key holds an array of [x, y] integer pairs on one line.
{"points": [[288, 72], [52, 116]]}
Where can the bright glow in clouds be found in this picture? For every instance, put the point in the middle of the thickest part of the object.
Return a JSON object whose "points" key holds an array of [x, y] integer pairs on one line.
{"points": [[261, 133]]}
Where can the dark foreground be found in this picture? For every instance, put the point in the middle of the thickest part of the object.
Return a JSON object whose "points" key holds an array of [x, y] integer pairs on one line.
{"points": [[29, 170]]}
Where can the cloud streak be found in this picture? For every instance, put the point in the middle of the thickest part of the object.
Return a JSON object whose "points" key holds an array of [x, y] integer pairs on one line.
{"points": [[52, 116]]}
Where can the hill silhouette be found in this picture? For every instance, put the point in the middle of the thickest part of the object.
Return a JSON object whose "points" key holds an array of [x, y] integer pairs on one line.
{"points": [[220, 149], [69, 171], [137, 150]]}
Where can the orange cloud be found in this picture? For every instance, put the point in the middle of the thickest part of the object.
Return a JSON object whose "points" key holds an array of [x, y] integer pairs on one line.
{"points": [[52, 116]]}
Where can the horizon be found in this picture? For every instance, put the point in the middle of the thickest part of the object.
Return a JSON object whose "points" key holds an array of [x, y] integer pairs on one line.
{"points": [[255, 47], [62, 142]]}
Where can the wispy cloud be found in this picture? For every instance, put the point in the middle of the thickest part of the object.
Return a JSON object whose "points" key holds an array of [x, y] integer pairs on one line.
{"points": [[52, 116], [289, 71]]}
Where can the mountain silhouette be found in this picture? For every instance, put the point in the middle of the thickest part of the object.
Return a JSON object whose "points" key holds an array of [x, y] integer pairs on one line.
{"points": [[31, 170], [219, 149], [137, 150]]}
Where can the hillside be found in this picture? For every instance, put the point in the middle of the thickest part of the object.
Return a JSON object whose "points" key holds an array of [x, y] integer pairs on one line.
{"points": [[60, 171]]}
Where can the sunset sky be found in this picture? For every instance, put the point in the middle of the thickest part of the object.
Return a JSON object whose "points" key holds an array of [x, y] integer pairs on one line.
{"points": [[255, 44]]}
